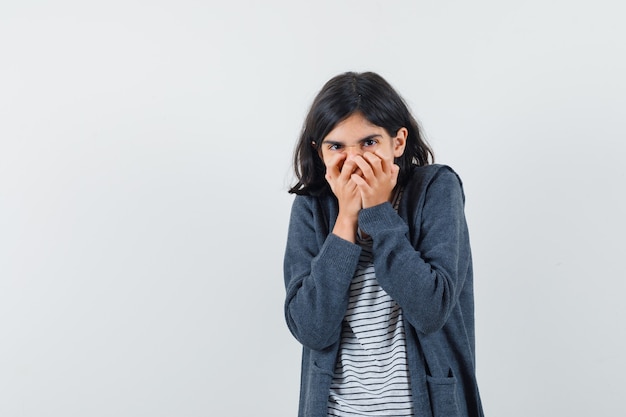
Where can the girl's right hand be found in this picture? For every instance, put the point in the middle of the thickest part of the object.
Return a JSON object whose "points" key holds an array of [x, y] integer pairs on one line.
{"points": [[338, 174]]}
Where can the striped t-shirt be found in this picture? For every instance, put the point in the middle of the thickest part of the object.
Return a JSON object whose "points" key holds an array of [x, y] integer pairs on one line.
{"points": [[371, 376]]}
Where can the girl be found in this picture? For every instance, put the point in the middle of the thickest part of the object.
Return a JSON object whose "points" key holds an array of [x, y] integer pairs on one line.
{"points": [[377, 267]]}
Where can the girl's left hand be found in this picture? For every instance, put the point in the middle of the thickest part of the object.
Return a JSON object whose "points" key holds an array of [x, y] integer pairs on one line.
{"points": [[377, 180]]}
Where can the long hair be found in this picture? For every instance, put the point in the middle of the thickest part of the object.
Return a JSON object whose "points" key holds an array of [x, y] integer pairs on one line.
{"points": [[342, 96]]}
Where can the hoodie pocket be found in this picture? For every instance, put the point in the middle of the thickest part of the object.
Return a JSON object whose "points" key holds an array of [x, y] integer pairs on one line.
{"points": [[443, 396]]}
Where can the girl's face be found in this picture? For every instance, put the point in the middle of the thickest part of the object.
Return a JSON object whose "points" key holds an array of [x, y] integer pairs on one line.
{"points": [[356, 135]]}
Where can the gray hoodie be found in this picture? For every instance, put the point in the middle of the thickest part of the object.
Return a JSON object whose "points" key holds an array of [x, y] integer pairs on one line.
{"points": [[422, 259]]}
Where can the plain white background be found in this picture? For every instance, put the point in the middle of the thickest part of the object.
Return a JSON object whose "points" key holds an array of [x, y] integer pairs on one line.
{"points": [[145, 154]]}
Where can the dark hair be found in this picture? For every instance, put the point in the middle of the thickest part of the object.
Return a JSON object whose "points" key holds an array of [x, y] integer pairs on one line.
{"points": [[342, 96]]}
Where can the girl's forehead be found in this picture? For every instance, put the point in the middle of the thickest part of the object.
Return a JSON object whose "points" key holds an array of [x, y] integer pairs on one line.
{"points": [[354, 127]]}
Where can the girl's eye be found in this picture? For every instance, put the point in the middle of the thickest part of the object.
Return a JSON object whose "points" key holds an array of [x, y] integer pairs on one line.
{"points": [[334, 147], [370, 142]]}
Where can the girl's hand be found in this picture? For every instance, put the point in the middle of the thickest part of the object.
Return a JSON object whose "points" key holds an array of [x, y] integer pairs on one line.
{"points": [[339, 174], [379, 178]]}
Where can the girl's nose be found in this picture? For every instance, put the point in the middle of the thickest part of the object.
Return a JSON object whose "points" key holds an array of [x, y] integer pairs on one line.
{"points": [[352, 151]]}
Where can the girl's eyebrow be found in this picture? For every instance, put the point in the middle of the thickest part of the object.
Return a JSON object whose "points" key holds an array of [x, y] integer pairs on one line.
{"points": [[366, 138]]}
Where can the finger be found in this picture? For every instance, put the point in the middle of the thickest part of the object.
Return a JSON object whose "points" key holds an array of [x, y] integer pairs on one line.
{"points": [[358, 181], [385, 163], [333, 166], [365, 167], [376, 162], [348, 168]]}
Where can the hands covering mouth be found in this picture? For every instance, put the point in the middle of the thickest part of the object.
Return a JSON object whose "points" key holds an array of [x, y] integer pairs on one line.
{"points": [[363, 180]]}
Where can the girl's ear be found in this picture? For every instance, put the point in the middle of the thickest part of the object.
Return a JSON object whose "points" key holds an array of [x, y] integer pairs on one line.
{"points": [[399, 142]]}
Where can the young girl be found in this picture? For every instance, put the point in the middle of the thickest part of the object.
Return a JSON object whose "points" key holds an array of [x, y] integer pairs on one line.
{"points": [[378, 269]]}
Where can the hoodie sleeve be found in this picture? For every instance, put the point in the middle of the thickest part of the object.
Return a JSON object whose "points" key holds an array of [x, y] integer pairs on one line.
{"points": [[317, 277]]}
